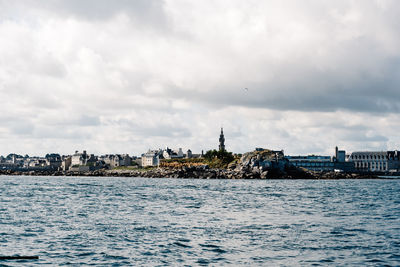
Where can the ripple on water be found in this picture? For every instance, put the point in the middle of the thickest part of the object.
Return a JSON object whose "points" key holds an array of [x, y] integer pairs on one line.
{"points": [[158, 222]]}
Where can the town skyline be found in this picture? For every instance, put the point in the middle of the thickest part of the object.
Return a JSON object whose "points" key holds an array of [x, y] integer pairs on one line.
{"points": [[215, 145]]}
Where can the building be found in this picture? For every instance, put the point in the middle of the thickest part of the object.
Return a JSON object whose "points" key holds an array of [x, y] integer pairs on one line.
{"points": [[79, 158], [368, 161], [337, 163], [151, 158], [222, 140], [340, 155], [172, 154], [341, 161], [312, 162], [116, 160], [189, 154], [53, 161], [83, 159], [66, 163]]}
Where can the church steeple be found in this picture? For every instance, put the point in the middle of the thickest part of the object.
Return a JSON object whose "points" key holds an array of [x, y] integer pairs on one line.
{"points": [[222, 140]]}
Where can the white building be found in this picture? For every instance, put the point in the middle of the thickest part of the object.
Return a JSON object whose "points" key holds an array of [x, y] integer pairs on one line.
{"points": [[78, 158], [173, 154], [383, 161], [151, 158]]}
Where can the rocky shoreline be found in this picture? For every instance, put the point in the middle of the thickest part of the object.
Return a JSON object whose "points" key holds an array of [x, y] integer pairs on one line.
{"points": [[259, 164], [199, 172]]}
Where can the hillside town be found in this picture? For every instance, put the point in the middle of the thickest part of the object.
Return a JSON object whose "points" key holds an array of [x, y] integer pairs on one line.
{"points": [[382, 162]]}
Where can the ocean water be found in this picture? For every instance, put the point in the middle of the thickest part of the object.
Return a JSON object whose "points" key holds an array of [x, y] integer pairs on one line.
{"points": [[171, 222]]}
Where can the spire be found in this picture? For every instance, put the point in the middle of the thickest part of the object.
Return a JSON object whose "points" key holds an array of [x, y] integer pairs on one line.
{"points": [[222, 140]]}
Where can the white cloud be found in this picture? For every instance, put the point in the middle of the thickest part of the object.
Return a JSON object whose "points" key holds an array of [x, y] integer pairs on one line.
{"points": [[123, 77]]}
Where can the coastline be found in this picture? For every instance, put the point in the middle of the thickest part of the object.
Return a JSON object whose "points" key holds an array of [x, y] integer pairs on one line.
{"points": [[201, 173]]}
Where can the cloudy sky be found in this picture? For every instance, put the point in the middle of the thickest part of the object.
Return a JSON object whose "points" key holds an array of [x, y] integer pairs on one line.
{"points": [[125, 76]]}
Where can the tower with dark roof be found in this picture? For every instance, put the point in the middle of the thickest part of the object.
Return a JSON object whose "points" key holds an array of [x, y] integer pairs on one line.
{"points": [[222, 140]]}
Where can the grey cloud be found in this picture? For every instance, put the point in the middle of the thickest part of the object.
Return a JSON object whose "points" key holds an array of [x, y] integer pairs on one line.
{"points": [[102, 9], [61, 133], [142, 12], [86, 120], [80, 71], [160, 130], [313, 92], [22, 127], [362, 137]]}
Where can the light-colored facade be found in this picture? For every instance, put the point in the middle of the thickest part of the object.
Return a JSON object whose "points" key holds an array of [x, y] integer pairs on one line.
{"points": [[172, 154], [78, 158], [151, 158], [369, 161], [66, 163]]}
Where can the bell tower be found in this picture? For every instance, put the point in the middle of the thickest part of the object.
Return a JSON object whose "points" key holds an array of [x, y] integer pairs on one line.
{"points": [[222, 140]]}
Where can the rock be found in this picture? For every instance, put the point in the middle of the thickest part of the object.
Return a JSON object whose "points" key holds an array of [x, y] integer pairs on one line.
{"points": [[264, 175]]}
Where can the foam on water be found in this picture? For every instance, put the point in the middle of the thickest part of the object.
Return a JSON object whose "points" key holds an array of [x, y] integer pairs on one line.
{"points": [[159, 222]]}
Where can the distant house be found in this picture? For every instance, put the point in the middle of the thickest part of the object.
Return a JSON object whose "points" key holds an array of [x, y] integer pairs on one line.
{"points": [[53, 161], [151, 158], [117, 160], [83, 159], [66, 163], [79, 158], [190, 155], [172, 154]]}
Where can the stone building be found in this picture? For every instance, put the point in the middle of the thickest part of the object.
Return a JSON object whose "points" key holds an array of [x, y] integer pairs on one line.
{"points": [[116, 160], [83, 159], [368, 161], [66, 163]]}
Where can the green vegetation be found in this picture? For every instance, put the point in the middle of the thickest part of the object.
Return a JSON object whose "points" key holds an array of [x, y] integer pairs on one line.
{"points": [[213, 158], [218, 159], [147, 168], [191, 160], [126, 168]]}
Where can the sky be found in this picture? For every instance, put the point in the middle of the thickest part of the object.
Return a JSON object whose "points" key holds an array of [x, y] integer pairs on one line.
{"points": [[127, 76]]}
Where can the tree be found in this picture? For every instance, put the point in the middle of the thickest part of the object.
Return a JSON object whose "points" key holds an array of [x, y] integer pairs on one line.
{"points": [[219, 158]]}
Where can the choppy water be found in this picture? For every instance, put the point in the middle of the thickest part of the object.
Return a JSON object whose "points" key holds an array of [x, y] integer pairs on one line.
{"points": [[160, 222]]}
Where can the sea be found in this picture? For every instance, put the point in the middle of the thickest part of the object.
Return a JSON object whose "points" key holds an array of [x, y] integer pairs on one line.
{"points": [[115, 221]]}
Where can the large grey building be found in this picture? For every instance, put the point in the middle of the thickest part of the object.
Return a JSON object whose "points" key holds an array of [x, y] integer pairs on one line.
{"points": [[384, 161]]}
